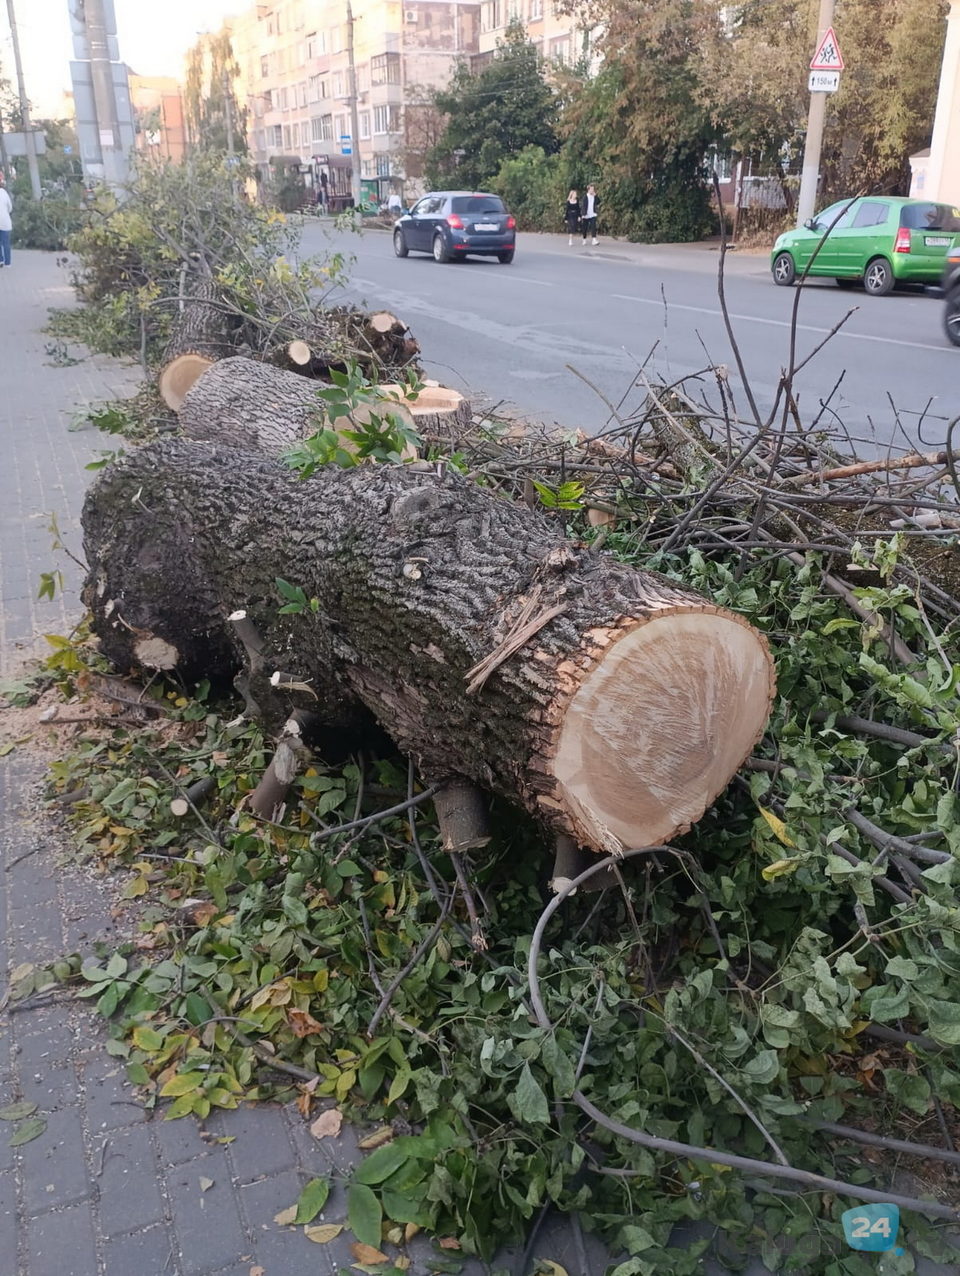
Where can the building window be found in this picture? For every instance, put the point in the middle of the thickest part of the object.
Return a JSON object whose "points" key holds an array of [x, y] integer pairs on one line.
{"points": [[316, 129], [287, 143], [338, 90], [302, 93], [560, 49], [364, 124], [383, 165], [513, 10], [316, 44], [385, 69], [341, 126], [278, 136], [327, 131], [264, 66], [335, 44], [386, 119], [536, 10]]}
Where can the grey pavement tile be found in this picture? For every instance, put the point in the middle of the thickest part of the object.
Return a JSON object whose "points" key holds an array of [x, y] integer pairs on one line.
{"points": [[261, 1201], [62, 1244], [261, 1142], [207, 1223], [178, 1140], [8, 1217], [129, 1185], [287, 1252], [52, 1084], [148, 1253], [108, 1097], [54, 1166]]}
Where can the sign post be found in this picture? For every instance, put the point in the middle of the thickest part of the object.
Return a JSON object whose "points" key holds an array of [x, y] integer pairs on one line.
{"points": [[825, 71]]}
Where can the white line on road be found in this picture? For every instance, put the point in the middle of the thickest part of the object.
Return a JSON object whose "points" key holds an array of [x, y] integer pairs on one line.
{"points": [[782, 323]]}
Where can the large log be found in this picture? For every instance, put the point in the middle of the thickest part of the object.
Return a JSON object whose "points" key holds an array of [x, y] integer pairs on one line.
{"points": [[242, 403], [611, 703], [201, 335]]}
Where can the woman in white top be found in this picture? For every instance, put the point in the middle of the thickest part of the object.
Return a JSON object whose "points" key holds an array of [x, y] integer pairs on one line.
{"points": [[6, 225]]}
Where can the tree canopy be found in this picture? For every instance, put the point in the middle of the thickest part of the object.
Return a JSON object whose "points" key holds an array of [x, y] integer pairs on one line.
{"points": [[494, 114], [209, 94]]}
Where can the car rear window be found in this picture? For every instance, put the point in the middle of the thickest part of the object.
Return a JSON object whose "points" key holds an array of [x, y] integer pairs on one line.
{"points": [[930, 217], [477, 204]]}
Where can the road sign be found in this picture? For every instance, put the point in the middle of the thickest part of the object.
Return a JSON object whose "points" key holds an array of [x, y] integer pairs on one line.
{"points": [[828, 56], [346, 148], [824, 81]]}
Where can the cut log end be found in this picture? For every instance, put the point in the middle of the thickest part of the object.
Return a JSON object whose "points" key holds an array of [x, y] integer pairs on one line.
{"points": [[179, 375], [653, 733]]}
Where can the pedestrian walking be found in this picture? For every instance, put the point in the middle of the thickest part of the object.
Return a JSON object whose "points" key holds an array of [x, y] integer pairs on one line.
{"points": [[589, 211], [571, 215], [6, 225], [394, 204]]}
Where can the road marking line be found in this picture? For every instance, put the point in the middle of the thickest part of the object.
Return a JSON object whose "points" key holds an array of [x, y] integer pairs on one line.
{"points": [[781, 323]]}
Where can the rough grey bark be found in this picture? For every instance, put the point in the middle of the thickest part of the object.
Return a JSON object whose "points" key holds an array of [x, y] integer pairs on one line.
{"points": [[424, 584]]}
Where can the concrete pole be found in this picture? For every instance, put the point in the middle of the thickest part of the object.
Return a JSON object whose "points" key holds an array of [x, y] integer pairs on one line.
{"points": [[4, 157], [104, 94], [354, 112], [807, 202], [30, 138]]}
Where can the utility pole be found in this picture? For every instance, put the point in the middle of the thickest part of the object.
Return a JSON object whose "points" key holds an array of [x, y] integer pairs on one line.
{"points": [[806, 203], [354, 113], [104, 93], [29, 136], [4, 158]]}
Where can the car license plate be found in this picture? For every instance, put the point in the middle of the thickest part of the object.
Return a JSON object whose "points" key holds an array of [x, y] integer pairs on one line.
{"points": [[494, 226], [936, 241]]}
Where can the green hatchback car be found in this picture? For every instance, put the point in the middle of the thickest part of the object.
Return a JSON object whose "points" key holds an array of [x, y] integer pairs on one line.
{"points": [[878, 240]]}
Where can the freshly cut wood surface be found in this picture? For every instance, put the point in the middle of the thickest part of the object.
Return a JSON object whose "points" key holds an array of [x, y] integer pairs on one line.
{"points": [[613, 704]]}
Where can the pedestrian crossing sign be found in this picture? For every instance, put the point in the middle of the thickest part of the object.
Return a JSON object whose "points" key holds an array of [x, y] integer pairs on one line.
{"points": [[828, 56]]}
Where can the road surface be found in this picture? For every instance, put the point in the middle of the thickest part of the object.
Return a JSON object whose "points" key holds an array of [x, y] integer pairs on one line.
{"points": [[510, 332]]}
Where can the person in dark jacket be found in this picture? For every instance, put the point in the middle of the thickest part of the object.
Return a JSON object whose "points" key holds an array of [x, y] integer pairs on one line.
{"points": [[571, 214], [589, 211]]}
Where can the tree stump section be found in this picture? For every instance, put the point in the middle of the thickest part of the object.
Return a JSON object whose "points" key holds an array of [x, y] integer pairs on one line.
{"points": [[245, 404], [612, 704], [200, 337]]}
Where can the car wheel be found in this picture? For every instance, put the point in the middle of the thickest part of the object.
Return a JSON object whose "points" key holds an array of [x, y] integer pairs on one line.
{"points": [[506, 256], [440, 249], [399, 243], [845, 283], [951, 318], [878, 277], [784, 270]]}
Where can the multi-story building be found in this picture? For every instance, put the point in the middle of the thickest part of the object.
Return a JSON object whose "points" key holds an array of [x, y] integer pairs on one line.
{"points": [[295, 79], [560, 37], [158, 116]]}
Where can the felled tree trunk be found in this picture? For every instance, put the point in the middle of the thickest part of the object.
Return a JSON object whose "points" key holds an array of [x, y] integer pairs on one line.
{"points": [[200, 337], [612, 704], [245, 404]]}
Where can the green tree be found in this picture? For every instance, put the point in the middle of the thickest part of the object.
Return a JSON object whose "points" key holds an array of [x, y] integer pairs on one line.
{"points": [[209, 100], [493, 115], [641, 129]]}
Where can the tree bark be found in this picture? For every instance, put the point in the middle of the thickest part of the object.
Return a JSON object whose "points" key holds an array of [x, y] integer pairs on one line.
{"points": [[612, 704], [249, 405]]}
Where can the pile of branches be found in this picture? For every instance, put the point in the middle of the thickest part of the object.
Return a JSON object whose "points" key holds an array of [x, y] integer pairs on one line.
{"points": [[180, 248], [775, 991]]}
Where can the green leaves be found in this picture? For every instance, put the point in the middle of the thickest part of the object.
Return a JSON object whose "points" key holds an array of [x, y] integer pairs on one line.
{"points": [[27, 1131], [312, 1200], [379, 1165], [364, 1214], [17, 1111], [528, 1101]]}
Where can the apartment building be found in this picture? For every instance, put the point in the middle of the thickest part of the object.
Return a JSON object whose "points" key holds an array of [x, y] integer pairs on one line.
{"points": [[559, 37], [158, 116], [295, 80]]}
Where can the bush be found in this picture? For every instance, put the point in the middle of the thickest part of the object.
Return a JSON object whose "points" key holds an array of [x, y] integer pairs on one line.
{"points": [[533, 184], [47, 223]]}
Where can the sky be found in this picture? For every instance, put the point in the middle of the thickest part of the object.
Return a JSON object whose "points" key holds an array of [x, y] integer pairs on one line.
{"points": [[153, 39]]}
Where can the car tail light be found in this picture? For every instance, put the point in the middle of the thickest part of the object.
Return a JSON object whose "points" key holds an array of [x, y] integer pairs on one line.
{"points": [[902, 244], [511, 223], [455, 222]]}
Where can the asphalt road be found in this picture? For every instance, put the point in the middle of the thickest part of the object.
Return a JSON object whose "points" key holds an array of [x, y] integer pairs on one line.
{"points": [[508, 333]]}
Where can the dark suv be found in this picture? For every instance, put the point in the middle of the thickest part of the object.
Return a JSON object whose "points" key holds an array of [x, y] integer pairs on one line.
{"points": [[455, 224]]}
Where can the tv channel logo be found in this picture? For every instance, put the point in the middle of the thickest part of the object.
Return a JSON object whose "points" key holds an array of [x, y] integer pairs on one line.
{"points": [[872, 1227]]}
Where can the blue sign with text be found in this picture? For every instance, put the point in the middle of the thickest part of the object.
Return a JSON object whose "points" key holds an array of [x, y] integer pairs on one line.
{"points": [[871, 1227]]}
